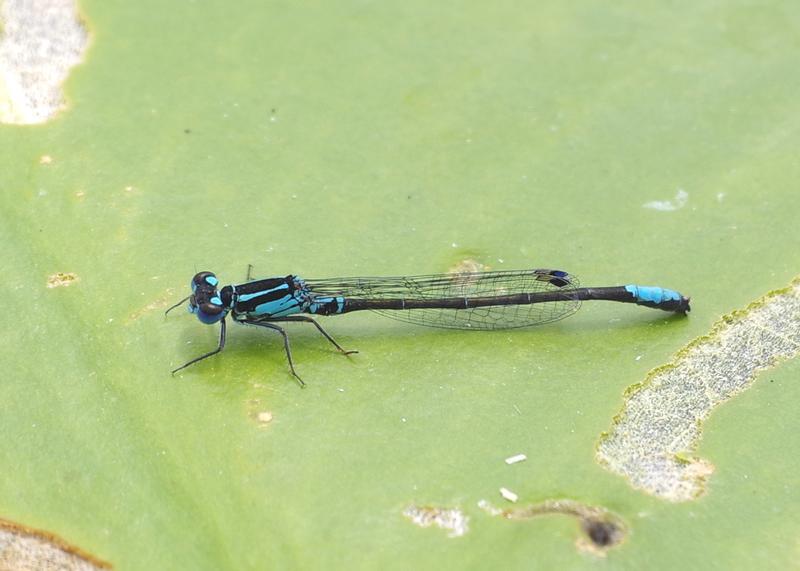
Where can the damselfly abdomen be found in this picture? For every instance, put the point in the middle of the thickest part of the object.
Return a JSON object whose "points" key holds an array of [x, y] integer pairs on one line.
{"points": [[475, 300]]}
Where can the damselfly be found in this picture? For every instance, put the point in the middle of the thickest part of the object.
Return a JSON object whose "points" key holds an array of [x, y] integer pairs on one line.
{"points": [[473, 300]]}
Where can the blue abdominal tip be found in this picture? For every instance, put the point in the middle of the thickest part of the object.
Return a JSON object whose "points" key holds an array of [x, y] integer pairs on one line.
{"points": [[653, 294]]}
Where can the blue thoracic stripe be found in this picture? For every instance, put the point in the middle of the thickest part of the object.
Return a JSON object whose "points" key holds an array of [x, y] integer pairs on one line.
{"points": [[284, 306], [289, 310], [653, 294], [274, 297], [248, 296]]}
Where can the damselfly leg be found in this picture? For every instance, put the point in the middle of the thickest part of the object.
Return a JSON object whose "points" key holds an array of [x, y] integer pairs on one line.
{"points": [[321, 330], [207, 355], [280, 330]]}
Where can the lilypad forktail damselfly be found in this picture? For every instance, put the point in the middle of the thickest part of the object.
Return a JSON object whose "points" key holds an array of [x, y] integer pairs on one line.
{"points": [[472, 300]]}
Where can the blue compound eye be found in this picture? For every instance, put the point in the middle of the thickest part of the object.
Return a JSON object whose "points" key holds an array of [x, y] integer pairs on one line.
{"points": [[209, 319], [204, 279], [210, 312]]}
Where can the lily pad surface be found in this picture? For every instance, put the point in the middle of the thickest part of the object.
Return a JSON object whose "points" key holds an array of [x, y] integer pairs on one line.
{"points": [[626, 142]]}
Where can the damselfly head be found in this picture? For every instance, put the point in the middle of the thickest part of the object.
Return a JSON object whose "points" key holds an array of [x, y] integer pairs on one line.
{"points": [[205, 301]]}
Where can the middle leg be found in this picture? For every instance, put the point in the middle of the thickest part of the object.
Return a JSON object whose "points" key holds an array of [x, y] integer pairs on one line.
{"points": [[285, 345], [321, 330]]}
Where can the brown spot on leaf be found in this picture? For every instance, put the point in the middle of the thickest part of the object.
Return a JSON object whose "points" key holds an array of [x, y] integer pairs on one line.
{"points": [[62, 279], [600, 529], [41, 41], [653, 440], [452, 519], [467, 266]]}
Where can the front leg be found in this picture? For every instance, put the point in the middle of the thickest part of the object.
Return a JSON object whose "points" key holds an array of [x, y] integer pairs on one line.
{"points": [[214, 352]]}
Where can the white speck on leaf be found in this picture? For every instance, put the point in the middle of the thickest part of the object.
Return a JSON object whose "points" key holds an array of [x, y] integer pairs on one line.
{"points": [[509, 495], [680, 200]]}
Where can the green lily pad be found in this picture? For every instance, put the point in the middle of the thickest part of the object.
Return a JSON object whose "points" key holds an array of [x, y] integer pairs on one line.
{"points": [[626, 143]]}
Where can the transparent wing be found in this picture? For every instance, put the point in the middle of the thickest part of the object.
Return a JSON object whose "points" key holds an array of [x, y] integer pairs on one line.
{"points": [[464, 285]]}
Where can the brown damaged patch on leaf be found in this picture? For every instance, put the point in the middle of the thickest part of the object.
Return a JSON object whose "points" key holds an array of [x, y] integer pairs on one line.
{"points": [[653, 440], [451, 519], [257, 412], [467, 266], [600, 529], [159, 303], [41, 41], [62, 279], [264, 417], [26, 548]]}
